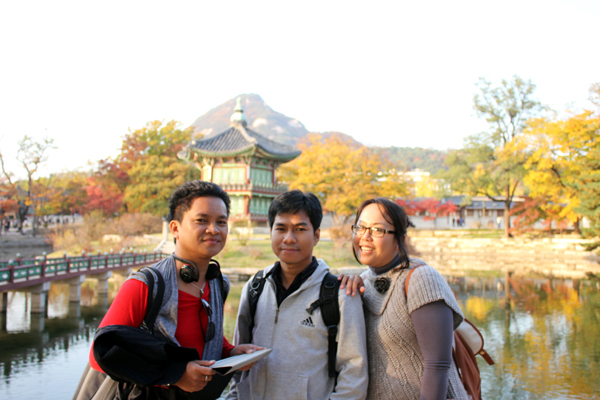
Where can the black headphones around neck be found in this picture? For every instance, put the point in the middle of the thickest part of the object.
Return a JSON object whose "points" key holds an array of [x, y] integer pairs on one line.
{"points": [[190, 272]]}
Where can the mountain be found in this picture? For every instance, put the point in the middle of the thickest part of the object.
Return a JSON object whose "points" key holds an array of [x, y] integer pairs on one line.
{"points": [[278, 127], [416, 157], [347, 138], [260, 118]]}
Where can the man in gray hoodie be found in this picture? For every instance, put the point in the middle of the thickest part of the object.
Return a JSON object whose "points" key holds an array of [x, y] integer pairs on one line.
{"points": [[297, 368]]}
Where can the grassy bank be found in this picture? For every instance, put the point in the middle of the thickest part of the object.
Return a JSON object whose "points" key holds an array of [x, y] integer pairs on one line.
{"points": [[127, 244], [258, 254]]}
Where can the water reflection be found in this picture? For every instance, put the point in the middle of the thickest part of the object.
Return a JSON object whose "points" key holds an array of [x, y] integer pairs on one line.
{"points": [[45, 359], [544, 335]]}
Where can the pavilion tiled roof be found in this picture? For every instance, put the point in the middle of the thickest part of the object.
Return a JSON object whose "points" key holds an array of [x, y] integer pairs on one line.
{"points": [[238, 140]]}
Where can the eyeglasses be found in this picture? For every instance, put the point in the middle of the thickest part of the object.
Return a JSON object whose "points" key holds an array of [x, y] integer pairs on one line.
{"points": [[375, 232], [210, 329]]}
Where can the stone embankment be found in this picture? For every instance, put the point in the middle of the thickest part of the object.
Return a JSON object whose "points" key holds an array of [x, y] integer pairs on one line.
{"points": [[13, 243], [559, 257]]}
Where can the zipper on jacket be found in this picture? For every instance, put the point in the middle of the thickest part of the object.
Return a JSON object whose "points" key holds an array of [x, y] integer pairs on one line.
{"points": [[267, 360]]}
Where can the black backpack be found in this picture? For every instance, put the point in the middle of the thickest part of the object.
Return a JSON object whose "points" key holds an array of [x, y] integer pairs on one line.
{"points": [[328, 301], [153, 304]]}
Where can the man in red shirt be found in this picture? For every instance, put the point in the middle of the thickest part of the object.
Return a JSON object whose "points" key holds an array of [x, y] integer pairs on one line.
{"points": [[191, 314]]}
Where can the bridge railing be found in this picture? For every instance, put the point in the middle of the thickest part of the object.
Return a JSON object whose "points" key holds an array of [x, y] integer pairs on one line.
{"points": [[22, 272]]}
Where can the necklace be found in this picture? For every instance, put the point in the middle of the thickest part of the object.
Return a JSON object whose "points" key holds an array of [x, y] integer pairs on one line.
{"points": [[197, 287]]}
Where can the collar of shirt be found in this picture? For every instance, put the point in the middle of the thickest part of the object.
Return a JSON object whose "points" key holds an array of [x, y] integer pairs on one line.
{"points": [[282, 292], [382, 270]]}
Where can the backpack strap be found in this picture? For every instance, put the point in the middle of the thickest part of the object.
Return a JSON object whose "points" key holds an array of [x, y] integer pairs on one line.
{"points": [[256, 287], [215, 273], [408, 280], [153, 304], [330, 311]]}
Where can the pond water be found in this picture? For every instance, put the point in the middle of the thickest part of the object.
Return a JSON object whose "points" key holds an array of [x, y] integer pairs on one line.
{"points": [[544, 337]]}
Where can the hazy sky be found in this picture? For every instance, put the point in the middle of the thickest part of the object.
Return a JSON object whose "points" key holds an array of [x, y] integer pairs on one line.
{"points": [[386, 72]]}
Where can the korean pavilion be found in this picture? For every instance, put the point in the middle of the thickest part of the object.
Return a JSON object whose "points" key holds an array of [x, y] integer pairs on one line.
{"points": [[244, 164]]}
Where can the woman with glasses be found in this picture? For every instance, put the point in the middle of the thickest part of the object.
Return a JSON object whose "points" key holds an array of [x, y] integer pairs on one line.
{"points": [[409, 333]]}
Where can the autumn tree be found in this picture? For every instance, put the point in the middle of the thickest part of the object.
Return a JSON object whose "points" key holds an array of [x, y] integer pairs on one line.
{"points": [[595, 94], [143, 175], [63, 193], [154, 139], [31, 155], [555, 164], [589, 188], [342, 173], [149, 156], [492, 163], [527, 213], [410, 207], [153, 179], [105, 188], [430, 208], [7, 201], [588, 184]]}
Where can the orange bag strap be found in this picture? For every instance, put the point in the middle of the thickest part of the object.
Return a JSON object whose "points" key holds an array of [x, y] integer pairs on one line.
{"points": [[408, 280]]}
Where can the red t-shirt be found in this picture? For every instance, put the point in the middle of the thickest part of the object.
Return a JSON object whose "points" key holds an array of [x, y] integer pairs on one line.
{"points": [[129, 308]]}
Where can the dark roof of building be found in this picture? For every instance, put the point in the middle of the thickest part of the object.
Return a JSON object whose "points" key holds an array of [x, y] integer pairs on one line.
{"points": [[238, 140], [477, 204]]}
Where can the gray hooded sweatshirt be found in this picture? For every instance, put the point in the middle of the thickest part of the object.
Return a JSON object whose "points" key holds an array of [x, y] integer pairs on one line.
{"points": [[297, 366]]}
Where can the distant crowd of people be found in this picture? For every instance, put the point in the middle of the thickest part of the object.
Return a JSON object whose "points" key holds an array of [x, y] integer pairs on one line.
{"points": [[7, 223], [458, 222]]}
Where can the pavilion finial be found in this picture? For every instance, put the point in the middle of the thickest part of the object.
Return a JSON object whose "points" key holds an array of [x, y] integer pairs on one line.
{"points": [[238, 116]]}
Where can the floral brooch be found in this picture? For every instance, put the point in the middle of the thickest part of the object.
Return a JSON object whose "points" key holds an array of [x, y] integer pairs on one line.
{"points": [[382, 284]]}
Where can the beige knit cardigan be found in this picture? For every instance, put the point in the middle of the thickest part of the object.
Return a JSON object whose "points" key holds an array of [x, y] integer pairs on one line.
{"points": [[395, 359]]}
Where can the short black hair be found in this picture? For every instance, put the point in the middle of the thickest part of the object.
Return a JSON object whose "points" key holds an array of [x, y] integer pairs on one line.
{"points": [[182, 197], [293, 202], [395, 215]]}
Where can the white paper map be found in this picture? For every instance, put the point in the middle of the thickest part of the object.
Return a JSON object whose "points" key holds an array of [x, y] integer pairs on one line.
{"points": [[228, 365]]}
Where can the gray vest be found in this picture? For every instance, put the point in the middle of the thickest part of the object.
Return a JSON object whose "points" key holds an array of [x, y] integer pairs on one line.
{"points": [[166, 321]]}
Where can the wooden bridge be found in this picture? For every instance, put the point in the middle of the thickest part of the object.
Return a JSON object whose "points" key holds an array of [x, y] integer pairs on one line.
{"points": [[35, 274]]}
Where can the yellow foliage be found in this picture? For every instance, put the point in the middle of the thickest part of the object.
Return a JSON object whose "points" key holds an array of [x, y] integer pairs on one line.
{"points": [[342, 174], [557, 147]]}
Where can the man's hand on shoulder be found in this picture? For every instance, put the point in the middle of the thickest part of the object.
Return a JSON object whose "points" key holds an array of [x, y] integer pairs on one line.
{"points": [[353, 284]]}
